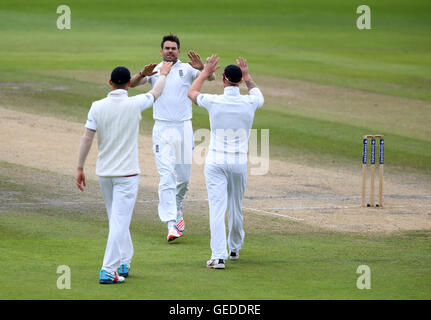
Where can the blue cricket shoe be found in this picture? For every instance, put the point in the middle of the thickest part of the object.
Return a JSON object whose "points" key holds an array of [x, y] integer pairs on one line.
{"points": [[124, 270], [110, 277]]}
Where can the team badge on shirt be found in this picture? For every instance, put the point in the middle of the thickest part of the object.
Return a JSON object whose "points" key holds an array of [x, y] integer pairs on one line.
{"points": [[181, 73]]}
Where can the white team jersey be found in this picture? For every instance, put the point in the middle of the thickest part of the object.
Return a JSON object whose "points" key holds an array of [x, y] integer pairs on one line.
{"points": [[116, 120], [174, 104], [231, 119]]}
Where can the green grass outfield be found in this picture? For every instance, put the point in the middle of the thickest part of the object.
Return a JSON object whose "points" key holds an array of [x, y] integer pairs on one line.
{"points": [[340, 83], [60, 72], [42, 229]]}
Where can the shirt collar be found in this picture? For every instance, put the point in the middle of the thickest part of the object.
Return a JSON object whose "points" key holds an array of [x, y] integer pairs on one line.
{"points": [[118, 93], [178, 63], [231, 91]]}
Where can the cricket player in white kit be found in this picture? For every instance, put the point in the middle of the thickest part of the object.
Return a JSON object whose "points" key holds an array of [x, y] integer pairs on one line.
{"points": [[172, 132], [231, 118], [116, 120]]}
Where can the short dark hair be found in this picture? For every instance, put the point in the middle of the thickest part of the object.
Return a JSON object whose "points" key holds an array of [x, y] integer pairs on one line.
{"points": [[233, 74], [120, 76], [171, 37]]}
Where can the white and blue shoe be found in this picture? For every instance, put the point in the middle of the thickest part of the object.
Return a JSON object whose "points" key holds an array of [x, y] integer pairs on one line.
{"points": [[110, 277], [123, 270]]}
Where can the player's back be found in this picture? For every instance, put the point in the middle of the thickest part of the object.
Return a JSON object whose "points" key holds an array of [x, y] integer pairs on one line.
{"points": [[231, 119], [117, 120]]}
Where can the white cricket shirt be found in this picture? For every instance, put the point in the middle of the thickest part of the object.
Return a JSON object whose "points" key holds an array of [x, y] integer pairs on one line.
{"points": [[116, 120], [174, 104], [231, 119]]}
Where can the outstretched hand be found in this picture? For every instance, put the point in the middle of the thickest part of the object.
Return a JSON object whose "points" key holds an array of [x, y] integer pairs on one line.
{"points": [[166, 67], [211, 64], [209, 68], [242, 64], [148, 70], [195, 60]]}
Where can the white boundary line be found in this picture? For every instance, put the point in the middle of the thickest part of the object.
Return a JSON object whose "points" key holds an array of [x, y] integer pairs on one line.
{"points": [[314, 208], [349, 207], [273, 213]]}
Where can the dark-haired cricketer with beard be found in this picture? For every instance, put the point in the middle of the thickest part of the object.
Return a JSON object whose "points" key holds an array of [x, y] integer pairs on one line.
{"points": [[172, 132]]}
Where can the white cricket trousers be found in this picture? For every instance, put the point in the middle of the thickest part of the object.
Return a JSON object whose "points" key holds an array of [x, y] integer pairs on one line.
{"points": [[120, 195], [226, 186], [173, 151]]}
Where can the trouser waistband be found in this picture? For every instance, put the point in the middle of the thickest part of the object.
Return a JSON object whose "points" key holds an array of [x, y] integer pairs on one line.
{"points": [[172, 123]]}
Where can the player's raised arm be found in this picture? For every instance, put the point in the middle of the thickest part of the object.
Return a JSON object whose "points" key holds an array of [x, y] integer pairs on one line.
{"points": [[210, 67], [196, 62], [140, 78], [242, 64], [160, 84]]}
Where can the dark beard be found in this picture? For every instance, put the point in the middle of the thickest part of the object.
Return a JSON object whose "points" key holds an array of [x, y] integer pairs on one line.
{"points": [[174, 61]]}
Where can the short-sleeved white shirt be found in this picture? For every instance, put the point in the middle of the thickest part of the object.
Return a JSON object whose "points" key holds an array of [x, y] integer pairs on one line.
{"points": [[231, 119], [116, 120], [174, 104]]}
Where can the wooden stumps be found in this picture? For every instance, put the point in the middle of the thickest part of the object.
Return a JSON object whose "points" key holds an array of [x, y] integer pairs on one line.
{"points": [[372, 170]]}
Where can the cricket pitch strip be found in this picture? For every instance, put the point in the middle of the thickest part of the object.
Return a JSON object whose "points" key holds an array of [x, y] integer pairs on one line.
{"points": [[327, 198]]}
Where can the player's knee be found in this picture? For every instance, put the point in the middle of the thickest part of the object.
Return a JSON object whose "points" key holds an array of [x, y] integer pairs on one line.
{"points": [[182, 187], [167, 182], [183, 176]]}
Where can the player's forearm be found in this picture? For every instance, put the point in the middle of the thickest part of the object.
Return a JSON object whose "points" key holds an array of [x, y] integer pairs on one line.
{"points": [[159, 86], [196, 87], [85, 146], [249, 82], [136, 80], [210, 77]]}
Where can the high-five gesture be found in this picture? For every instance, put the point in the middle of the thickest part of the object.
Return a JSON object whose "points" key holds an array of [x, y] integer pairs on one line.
{"points": [[166, 68], [161, 81], [242, 64], [209, 68], [140, 78], [148, 70], [195, 60], [211, 64]]}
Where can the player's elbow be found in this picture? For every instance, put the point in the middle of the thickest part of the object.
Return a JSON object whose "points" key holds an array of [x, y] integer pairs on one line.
{"points": [[258, 96], [155, 94], [192, 94]]}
